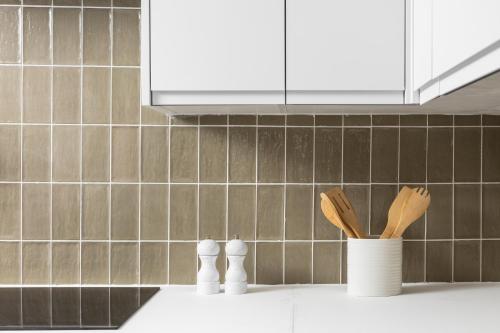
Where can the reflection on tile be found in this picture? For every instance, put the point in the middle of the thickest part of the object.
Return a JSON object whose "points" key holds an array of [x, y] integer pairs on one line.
{"points": [[323, 229], [466, 261], [95, 153], [438, 261], [413, 261], [298, 263], [66, 35], [241, 211], [154, 258], [65, 211], [412, 150], [491, 211], [95, 211], [356, 159], [96, 95], [213, 153], [126, 37], [328, 155], [154, 154], [326, 263], [95, 263], [36, 211], [66, 153], [125, 154], [124, 263], [182, 259], [65, 263], [241, 154], [66, 95], [298, 212], [36, 38], [212, 212], [125, 96], [184, 154], [467, 154], [270, 219], [440, 155], [96, 36], [467, 211], [36, 263], [154, 212], [299, 155], [10, 94], [124, 212], [440, 212], [385, 154], [10, 265], [183, 206], [9, 35], [491, 260], [10, 152], [10, 210], [271, 154], [269, 263], [36, 94]]}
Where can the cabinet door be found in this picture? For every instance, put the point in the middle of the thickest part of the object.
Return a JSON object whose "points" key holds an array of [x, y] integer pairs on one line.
{"points": [[217, 51], [345, 45]]}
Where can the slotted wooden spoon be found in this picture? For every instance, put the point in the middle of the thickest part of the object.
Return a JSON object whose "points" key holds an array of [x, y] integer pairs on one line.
{"points": [[395, 212], [332, 215], [345, 210], [416, 205]]}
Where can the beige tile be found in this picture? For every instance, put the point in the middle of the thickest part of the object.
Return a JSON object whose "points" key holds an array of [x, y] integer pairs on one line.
{"points": [[10, 35], [66, 95], [298, 213], [124, 212], [126, 3], [96, 36], [95, 153], [220, 263], [323, 229], [66, 153], [125, 96], [125, 154], [10, 270], [153, 116], [241, 211], [242, 154], [213, 154], [249, 263], [95, 211], [270, 217], [95, 263], [65, 263], [184, 154], [36, 94], [271, 155], [10, 209], [183, 206], [154, 212], [96, 104], [36, 211], [299, 155], [126, 37], [154, 154], [212, 212], [65, 211], [36, 39], [298, 263], [326, 263], [154, 258], [269, 263], [185, 120], [182, 263], [10, 153], [36, 263], [10, 94], [66, 36], [124, 263]]}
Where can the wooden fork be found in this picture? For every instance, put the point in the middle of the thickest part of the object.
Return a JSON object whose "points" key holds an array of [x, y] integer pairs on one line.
{"points": [[415, 206]]}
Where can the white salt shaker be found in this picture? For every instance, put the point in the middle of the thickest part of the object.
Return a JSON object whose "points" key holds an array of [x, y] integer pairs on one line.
{"points": [[236, 277], [208, 276]]}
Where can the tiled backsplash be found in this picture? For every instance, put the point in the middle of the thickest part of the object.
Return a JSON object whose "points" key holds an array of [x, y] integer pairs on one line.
{"points": [[95, 190]]}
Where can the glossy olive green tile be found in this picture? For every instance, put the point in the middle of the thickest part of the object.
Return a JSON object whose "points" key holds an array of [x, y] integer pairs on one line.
{"points": [[440, 120], [440, 155], [466, 261], [467, 120], [125, 96], [438, 261], [36, 153], [36, 263], [417, 229], [241, 211], [10, 210], [66, 95], [36, 35], [65, 263], [96, 3], [126, 37], [95, 263], [10, 94], [491, 211], [154, 258], [413, 120], [213, 154], [440, 212], [66, 36], [242, 154], [95, 211], [299, 120], [185, 120], [220, 262], [183, 207], [467, 154], [96, 36], [412, 154], [36, 211], [10, 152], [214, 119], [10, 263], [36, 94], [467, 211], [273, 120], [385, 120], [299, 155], [154, 154], [358, 195], [323, 229], [382, 197], [490, 260], [125, 154], [271, 155], [184, 154], [10, 2], [413, 261], [66, 153], [356, 159], [491, 120], [328, 155], [124, 263], [10, 18], [242, 120], [154, 212], [95, 153], [124, 212], [384, 162], [212, 212], [328, 120], [298, 263], [153, 116], [270, 217], [269, 263], [298, 212], [182, 263], [127, 3], [491, 154], [326, 263], [96, 95], [249, 263], [357, 120], [65, 211]]}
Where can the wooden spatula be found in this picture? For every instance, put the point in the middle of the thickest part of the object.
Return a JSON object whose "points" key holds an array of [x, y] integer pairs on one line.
{"points": [[332, 215], [345, 210], [415, 206], [394, 215]]}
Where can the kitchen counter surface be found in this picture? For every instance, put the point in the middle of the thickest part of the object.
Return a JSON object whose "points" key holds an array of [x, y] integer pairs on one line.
{"points": [[462, 307]]}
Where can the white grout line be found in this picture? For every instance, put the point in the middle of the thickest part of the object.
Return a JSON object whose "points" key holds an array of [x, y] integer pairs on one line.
{"points": [[51, 195], [426, 180], [256, 196], [21, 46], [169, 135], [110, 155], [313, 198], [481, 204], [284, 202], [80, 53]]}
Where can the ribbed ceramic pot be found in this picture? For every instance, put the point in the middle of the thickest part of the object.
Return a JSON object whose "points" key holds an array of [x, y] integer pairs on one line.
{"points": [[374, 266]]}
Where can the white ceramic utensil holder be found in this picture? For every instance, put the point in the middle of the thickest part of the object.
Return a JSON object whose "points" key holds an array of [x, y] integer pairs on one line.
{"points": [[374, 266]]}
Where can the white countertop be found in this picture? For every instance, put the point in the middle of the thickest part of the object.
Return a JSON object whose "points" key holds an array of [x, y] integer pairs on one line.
{"points": [[456, 308]]}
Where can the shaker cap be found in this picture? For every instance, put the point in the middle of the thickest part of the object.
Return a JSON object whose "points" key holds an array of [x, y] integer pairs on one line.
{"points": [[236, 247], [208, 247]]}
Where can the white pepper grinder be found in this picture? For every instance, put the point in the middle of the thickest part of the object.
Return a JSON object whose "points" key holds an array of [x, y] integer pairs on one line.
{"points": [[208, 276], [236, 277]]}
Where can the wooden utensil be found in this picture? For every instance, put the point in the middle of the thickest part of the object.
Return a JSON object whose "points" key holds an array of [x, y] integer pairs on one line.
{"points": [[332, 215], [395, 212], [415, 206], [345, 210]]}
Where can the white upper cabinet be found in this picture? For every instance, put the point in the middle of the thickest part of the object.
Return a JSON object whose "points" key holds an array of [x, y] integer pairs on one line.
{"points": [[217, 51], [345, 52]]}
